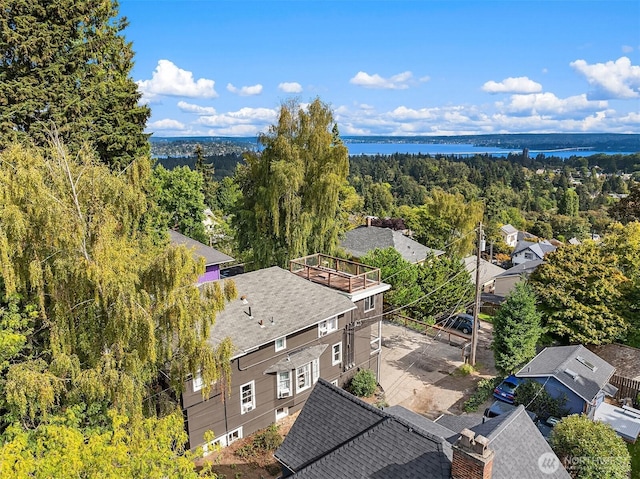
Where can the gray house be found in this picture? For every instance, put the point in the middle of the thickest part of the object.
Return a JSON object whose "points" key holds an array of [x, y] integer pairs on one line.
{"points": [[359, 241], [529, 250], [322, 319], [339, 436], [574, 372]]}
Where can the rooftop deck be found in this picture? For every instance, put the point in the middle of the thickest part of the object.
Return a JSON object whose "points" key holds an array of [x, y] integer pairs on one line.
{"points": [[336, 273]]}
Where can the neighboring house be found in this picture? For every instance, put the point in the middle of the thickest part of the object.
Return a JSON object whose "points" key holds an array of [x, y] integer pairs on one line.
{"points": [[359, 241], [212, 257], [509, 235], [340, 436], [573, 372], [488, 272], [529, 251], [288, 330], [505, 282]]}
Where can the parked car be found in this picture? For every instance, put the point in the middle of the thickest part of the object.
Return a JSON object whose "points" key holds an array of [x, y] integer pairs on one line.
{"points": [[506, 390], [500, 407], [463, 322], [546, 426]]}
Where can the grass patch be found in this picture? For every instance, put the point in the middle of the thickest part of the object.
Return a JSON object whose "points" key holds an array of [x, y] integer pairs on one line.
{"points": [[464, 370], [634, 450], [486, 317]]}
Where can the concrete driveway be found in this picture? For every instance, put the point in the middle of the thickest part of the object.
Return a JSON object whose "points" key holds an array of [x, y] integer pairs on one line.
{"points": [[417, 371]]}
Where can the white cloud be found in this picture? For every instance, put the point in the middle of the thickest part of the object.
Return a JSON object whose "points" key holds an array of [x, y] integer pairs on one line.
{"points": [[627, 49], [395, 82], [549, 104], [512, 85], [619, 79], [290, 87], [244, 116], [425, 78], [245, 90], [168, 79], [197, 109], [166, 124]]}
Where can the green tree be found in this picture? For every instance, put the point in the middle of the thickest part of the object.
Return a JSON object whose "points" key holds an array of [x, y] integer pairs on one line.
{"points": [[580, 290], [516, 329], [178, 193], [590, 449], [207, 171], [535, 398], [396, 271], [291, 189], [66, 66], [569, 203], [113, 306], [627, 209]]}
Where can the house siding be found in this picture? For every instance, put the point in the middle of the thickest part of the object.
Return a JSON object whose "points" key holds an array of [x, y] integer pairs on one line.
{"points": [[575, 404], [212, 273], [223, 416]]}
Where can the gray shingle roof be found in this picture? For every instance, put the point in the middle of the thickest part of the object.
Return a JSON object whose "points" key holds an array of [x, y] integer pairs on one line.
{"points": [[359, 241], [274, 293], [508, 229], [339, 436], [211, 255], [525, 268], [488, 271], [458, 423], [539, 248], [571, 365], [518, 445]]}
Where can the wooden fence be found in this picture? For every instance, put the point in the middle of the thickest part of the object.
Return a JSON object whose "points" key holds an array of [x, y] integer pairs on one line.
{"points": [[627, 388]]}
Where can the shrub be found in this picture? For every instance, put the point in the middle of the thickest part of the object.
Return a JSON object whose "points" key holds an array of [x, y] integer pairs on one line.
{"points": [[483, 392], [363, 384], [268, 439]]}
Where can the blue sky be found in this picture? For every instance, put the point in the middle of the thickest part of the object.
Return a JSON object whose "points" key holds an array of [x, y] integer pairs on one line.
{"points": [[402, 67]]}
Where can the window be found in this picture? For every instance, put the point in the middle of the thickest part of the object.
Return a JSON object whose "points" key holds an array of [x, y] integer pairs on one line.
{"points": [[197, 382], [233, 436], [336, 354], [327, 326], [281, 343], [528, 255], [335, 382], [303, 377], [284, 384], [281, 413], [369, 303], [247, 397]]}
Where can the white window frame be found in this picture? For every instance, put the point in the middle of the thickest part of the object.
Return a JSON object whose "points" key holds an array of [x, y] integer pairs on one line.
{"points": [[327, 326], [303, 371], [369, 303], [528, 255], [335, 382], [234, 435], [376, 345], [283, 346], [315, 370], [336, 354], [197, 382], [247, 406], [222, 441], [283, 414], [282, 391]]}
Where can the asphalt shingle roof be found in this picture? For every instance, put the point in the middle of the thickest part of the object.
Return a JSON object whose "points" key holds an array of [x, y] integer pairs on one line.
{"points": [[539, 248], [570, 366], [508, 229], [211, 255], [359, 241], [488, 271], [293, 303], [525, 268], [339, 436]]}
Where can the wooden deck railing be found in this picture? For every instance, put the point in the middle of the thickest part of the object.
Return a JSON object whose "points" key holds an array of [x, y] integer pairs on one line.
{"points": [[335, 273]]}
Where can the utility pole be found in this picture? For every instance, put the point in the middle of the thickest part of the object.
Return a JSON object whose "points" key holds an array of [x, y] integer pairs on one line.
{"points": [[476, 304]]}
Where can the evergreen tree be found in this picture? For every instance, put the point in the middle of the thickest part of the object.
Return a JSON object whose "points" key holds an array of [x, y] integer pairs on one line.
{"points": [[396, 271], [516, 330], [65, 66], [292, 187], [209, 184], [569, 203]]}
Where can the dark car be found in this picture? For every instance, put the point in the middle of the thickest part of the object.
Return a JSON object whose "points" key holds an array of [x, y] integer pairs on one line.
{"points": [[506, 390], [462, 322], [498, 408], [546, 426]]}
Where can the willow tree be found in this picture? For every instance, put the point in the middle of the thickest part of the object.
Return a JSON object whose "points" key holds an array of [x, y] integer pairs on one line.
{"points": [[292, 187], [67, 64], [112, 307]]}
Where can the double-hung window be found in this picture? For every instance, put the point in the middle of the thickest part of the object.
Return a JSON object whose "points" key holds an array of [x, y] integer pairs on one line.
{"points": [[336, 354], [369, 303], [327, 326], [247, 397], [284, 384], [307, 375]]}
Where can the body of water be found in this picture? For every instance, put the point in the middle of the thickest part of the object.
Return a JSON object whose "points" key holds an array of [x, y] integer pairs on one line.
{"points": [[458, 149]]}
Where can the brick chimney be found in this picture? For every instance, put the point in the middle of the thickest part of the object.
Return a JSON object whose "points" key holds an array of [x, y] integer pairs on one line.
{"points": [[472, 458]]}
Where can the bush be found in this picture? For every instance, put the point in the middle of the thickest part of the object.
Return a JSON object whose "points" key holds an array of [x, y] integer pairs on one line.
{"points": [[268, 439], [363, 383], [483, 392]]}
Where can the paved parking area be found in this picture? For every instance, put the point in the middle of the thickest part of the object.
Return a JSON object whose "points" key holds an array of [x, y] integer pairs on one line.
{"points": [[417, 371]]}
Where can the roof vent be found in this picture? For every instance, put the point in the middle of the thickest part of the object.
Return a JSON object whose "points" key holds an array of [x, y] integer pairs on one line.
{"points": [[574, 375], [588, 364]]}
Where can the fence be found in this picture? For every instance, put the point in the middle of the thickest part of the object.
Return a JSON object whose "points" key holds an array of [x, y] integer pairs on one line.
{"points": [[627, 388]]}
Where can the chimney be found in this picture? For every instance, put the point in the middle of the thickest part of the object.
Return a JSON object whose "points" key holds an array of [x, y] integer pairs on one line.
{"points": [[472, 458]]}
